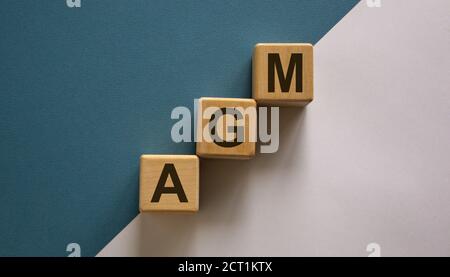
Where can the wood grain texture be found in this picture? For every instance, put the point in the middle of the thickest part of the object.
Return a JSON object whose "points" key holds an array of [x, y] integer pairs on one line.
{"points": [[210, 149], [187, 169], [260, 82]]}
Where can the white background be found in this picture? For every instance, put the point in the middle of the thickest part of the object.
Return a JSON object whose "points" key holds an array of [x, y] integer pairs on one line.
{"points": [[367, 161]]}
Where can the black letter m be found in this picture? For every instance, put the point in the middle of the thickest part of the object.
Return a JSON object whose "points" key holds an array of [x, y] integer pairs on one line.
{"points": [[169, 169], [285, 82]]}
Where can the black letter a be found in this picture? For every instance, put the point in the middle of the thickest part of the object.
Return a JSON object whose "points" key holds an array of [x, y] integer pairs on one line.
{"points": [[169, 169]]}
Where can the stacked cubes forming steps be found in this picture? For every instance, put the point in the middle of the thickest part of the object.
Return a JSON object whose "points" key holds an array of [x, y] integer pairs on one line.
{"points": [[282, 76]]}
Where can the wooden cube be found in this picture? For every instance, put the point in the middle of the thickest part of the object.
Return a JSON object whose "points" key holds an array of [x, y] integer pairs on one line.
{"points": [[283, 74], [226, 128], [169, 183]]}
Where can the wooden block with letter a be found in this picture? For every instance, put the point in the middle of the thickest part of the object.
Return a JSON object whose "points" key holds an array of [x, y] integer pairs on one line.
{"points": [[226, 128], [283, 74], [169, 183]]}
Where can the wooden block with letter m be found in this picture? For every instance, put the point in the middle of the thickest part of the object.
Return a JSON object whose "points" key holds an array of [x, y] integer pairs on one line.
{"points": [[169, 183], [283, 74]]}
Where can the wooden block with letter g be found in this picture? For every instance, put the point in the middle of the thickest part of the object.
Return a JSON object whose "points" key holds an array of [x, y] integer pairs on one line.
{"points": [[226, 128], [283, 74], [169, 183]]}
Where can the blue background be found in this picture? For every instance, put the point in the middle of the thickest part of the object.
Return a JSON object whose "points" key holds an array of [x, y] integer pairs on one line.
{"points": [[84, 92]]}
